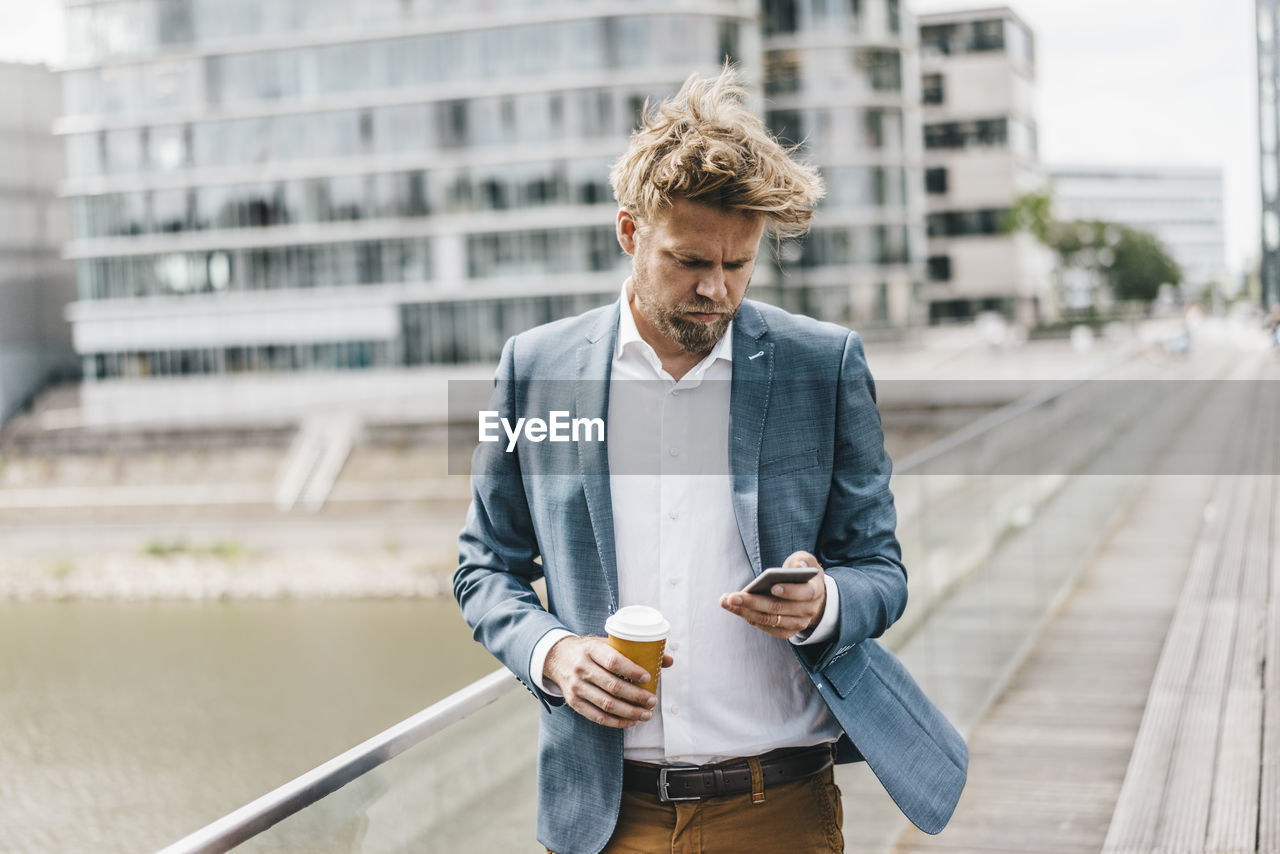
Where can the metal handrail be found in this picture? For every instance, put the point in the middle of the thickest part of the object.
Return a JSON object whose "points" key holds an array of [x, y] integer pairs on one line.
{"points": [[294, 796], [275, 806]]}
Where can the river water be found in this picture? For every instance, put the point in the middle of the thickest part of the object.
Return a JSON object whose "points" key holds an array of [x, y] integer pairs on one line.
{"points": [[124, 726]]}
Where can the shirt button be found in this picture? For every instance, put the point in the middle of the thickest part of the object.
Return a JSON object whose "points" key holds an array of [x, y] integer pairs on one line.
{"points": [[674, 646], [673, 580], [675, 392], [674, 514], [675, 452], [675, 710]]}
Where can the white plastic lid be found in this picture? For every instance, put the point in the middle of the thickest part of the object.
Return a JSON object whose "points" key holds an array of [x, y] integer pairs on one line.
{"points": [[638, 623]]}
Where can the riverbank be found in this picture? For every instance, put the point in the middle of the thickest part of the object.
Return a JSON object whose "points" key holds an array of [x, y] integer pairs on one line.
{"points": [[223, 571]]}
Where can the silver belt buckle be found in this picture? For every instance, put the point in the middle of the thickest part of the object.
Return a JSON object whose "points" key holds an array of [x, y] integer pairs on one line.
{"points": [[662, 789]]}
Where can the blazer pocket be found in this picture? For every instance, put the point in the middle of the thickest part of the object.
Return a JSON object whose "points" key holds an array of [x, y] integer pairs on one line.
{"points": [[844, 671], [787, 463]]}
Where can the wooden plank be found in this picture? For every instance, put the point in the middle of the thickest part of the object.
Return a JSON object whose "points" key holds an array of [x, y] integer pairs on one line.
{"points": [[1135, 822], [1233, 818], [1269, 796]]}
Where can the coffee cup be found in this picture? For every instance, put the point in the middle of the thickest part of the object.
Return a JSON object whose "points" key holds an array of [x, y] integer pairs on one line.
{"points": [[640, 633]]}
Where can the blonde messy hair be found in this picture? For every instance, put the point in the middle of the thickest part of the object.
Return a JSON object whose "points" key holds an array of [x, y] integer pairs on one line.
{"points": [[702, 144]]}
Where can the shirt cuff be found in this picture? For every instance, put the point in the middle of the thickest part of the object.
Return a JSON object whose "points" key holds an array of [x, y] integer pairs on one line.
{"points": [[539, 659], [826, 628]]}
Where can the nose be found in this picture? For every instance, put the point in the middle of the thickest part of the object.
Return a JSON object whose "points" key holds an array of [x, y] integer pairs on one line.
{"points": [[712, 285]]}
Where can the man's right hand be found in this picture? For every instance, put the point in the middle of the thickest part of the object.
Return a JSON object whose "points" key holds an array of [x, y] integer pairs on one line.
{"points": [[596, 681]]}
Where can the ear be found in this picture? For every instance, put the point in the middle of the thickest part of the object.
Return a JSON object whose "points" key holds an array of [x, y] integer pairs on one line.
{"points": [[626, 230]]}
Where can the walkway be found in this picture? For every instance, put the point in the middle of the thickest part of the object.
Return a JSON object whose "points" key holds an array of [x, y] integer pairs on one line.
{"points": [[1136, 724]]}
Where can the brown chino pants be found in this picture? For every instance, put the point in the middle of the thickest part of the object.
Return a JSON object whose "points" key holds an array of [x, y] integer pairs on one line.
{"points": [[803, 817]]}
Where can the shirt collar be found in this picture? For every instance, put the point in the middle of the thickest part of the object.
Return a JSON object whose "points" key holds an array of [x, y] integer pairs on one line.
{"points": [[629, 337]]}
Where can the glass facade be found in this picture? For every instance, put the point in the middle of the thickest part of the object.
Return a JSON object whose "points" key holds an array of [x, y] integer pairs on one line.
{"points": [[971, 36], [986, 221], [344, 198], [836, 75], [1019, 135], [421, 151], [381, 67]]}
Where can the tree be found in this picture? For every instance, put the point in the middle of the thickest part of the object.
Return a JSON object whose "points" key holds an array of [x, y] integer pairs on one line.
{"points": [[1140, 266], [1133, 263]]}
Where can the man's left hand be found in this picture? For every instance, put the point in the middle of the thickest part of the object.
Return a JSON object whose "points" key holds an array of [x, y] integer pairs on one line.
{"points": [[790, 610]]}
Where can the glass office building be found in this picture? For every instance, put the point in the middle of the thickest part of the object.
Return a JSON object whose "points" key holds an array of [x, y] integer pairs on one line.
{"points": [[1269, 147], [1182, 207], [313, 184], [841, 80], [35, 284]]}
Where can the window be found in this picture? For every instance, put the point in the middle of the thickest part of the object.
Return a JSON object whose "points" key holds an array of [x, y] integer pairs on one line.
{"points": [[940, 268], [970, 134], [453, 124], [788, 125], [727, 42], [968, 37], [986, 221], [987, 35], [780, 16], [883, 68], [782, 74], [936, 39], [931, 91], [935, 181]]}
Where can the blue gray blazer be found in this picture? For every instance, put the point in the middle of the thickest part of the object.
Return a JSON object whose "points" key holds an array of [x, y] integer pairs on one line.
{"points": [[805, 432]]}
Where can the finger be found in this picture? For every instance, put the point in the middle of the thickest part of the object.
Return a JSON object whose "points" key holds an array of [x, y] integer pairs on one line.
{"points": [[667, 660], [615, 662], [805, 592], [614, 685], [763, 604], [593, 713], [613, 706], [776, 624], [798, 559]]}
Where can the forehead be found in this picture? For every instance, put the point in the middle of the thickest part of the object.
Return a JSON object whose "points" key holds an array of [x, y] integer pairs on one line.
{"points": [[698, 228]]}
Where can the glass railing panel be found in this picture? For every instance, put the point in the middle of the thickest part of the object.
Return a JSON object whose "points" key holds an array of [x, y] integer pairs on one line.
{"points": [[995, 524], [467, 788]]}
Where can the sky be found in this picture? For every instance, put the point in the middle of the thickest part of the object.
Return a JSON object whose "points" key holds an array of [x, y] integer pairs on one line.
{"points": [[1150, 82], [1155, 82]]}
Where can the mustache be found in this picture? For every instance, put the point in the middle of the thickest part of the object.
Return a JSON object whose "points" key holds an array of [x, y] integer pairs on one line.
{"points": [[705, 307]]}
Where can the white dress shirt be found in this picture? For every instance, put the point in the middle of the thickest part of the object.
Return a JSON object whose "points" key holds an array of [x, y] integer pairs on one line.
{"points": [[734, 690]]}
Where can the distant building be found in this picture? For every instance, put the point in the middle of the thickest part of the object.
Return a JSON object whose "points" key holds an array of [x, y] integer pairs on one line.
{"points": [[980, 154], [35, 284], [1180, 207], [842, 81], [333, 185], [1269, 147]]}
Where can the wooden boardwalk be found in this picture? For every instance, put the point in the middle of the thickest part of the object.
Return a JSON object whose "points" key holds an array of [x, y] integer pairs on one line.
{"points": [[1147, 718]]}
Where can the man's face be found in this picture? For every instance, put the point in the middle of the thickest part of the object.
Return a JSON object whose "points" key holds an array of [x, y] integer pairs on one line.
{"points": [[690, 271]]}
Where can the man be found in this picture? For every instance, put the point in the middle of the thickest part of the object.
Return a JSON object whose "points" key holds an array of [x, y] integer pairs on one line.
{"points": [[739, 437]]}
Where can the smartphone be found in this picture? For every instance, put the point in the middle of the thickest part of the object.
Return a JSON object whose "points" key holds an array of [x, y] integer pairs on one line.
{"points": [[764, 582]]}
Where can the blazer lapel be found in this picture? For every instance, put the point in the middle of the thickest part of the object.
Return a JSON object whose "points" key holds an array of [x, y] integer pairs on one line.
{"points": [[748, 405], [591, 398]]}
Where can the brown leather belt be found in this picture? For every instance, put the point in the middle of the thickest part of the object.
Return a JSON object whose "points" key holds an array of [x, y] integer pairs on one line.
{"points": [[673, 783]]}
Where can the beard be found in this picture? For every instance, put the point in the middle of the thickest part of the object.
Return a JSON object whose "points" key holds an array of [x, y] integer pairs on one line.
{"points": [[690, 335]]}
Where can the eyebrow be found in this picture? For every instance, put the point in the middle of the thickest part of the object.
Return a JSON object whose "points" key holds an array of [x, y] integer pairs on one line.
{"points": [[687, 255]]}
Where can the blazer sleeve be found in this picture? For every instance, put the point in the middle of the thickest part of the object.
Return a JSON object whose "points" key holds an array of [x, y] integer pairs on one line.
{"points": [[857, 544], [498, 551]]}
